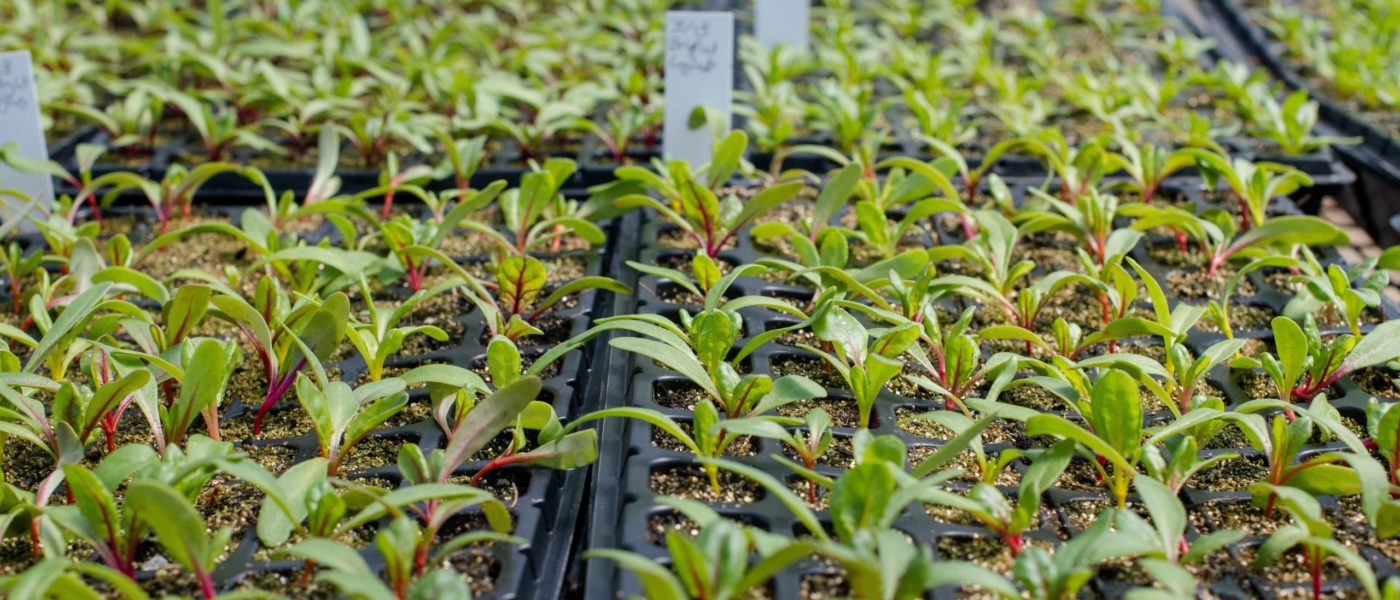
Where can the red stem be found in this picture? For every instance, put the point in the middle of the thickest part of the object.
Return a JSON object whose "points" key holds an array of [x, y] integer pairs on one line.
{"points": [[1015, 542]]}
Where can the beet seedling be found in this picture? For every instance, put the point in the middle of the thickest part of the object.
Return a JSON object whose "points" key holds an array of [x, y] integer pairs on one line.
{"points": [[988, 504], [1313, 535], [698, 203], [270, 327], [341, 417]]}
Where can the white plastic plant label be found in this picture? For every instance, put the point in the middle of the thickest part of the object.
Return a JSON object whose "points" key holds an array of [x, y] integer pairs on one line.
{"points": [[699, 74], [782, 22], [20, 125]]}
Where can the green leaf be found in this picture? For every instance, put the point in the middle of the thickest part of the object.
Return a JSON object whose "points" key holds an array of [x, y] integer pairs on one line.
{"points": [[953, 447], [185, 311], [727, 155], [323, 331], [657, 582], [1305, 230], [685, 364], [176, 523], [583, 283], [1327, 480], [110, 394], [143, 283], [330, 554], [206, 374], [69, 322], [576, 449], [1379, 345], [765, 201], [243, 314], [96, 503], [488, 418], [1056, 425], [520, 279], [276, 523], [1116, 412], [1292, 347], [1168, 515]]}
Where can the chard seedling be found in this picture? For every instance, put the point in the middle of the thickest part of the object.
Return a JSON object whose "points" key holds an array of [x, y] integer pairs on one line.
{"points": [[1166, 533], [1039, 575], [866, 364], [541, 115], [1313, 535], [1338, 291], [988, 504], [218, 127], [270, 326], [624, 124], [1115, 441], [373, 132], [1079, 168], [536, 423], [1219, 309], [700, 203], [1253, 184], [341, 416], [1090, 221], [710, 434], [999, 281], [807, 238], [176, 189], [91, 190], [180, 529], [515, 304], [849, 114], [462, 157], [473, 414], [404, 232], [118, 387], [423, 507], [972, 177], [1290, 125], [772, 113], [393, 179], [1217, 237], [1148, 165], [1281, 438], [940, 117], [712, 566], [408, 571], [61, 344], [954, 362], [864, 502], [1383, 423], [809, 443], [207, 365], [1309, 365], [17, 267], [381, 336], [109, 521], [702, 346], [538, 216], [130, 124]]}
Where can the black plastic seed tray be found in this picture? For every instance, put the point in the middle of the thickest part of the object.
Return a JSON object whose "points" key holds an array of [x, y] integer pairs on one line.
{"points": [[627, 516], [1376, 160], [544, 503]]}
